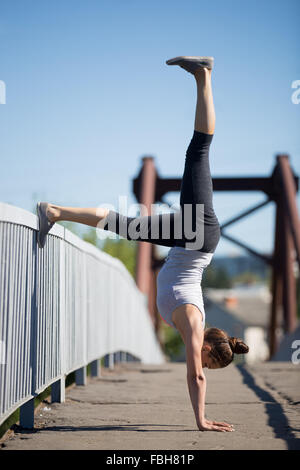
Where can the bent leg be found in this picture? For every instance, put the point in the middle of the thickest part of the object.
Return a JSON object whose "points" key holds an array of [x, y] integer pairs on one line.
{"points": [[160, 229], [84, 215], [157, 229]]}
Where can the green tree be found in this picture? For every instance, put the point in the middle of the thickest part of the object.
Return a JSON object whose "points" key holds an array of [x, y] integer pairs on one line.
{"points": [[124, 250], [247, 277], [217, 278], [72, 226], [90, 236], [172, 342]]}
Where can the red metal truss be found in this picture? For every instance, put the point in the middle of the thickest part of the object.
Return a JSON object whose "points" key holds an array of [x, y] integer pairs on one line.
{"points": [[281, 188]]}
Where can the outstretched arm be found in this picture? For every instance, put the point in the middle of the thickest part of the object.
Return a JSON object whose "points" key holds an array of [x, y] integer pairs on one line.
{"points": [[196, 379], [189, 324]]}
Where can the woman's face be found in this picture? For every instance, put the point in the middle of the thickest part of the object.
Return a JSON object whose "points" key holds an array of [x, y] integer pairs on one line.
{"points": [[207, 361]]}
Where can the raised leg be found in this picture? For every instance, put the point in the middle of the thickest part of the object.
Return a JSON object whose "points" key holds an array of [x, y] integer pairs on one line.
{"points": [[205, 112], [83, 215], [196, 186]]}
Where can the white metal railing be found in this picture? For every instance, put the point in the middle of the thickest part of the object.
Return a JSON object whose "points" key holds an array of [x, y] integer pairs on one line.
{"points": [[61, 308]]}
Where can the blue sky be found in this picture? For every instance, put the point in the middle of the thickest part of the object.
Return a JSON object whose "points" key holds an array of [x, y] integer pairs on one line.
{"points": [[89, 94]]}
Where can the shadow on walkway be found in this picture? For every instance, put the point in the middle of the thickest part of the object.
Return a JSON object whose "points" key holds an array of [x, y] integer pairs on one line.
{"points": [[277, 419], [123, 427]]}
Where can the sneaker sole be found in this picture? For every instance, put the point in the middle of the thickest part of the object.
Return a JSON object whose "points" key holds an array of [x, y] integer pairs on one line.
{"points": [[192, 62], [44, 226]]}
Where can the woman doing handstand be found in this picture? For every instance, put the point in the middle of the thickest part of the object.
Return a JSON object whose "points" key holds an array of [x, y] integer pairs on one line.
{"points": [[192, 234]]}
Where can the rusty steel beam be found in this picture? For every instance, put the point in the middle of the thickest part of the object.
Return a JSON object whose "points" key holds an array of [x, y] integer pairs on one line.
{"points": [[289, 191], [243, 184], [280, 187], [287, 236], [146, 196], [267, 259], [153, 293], [245, 213], [165, 185], [275, 306], [289, 299], [254, 183], [276, 286]]}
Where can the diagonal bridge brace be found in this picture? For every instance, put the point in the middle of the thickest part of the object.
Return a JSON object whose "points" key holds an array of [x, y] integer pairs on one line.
{"points": [[267, 259]]}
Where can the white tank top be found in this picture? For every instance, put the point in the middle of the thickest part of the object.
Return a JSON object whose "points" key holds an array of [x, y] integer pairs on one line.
{"points": [[179, 281]]}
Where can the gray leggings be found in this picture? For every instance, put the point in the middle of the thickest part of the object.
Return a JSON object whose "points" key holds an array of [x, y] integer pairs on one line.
{"points": [[195, 226]]}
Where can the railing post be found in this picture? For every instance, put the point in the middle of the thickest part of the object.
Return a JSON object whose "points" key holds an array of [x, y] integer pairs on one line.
{"points": [[109, 361], [117, 357], [81, 376], [123, 356], [130, 358], [27, 415], [96, 368], [58, 394]]}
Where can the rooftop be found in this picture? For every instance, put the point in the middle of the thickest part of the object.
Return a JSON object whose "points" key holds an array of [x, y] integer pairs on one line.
{"points": [[249, 304]]}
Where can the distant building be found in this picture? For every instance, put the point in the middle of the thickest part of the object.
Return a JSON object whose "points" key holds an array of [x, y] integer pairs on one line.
{"points": [[243, 312], [235, 265]]}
